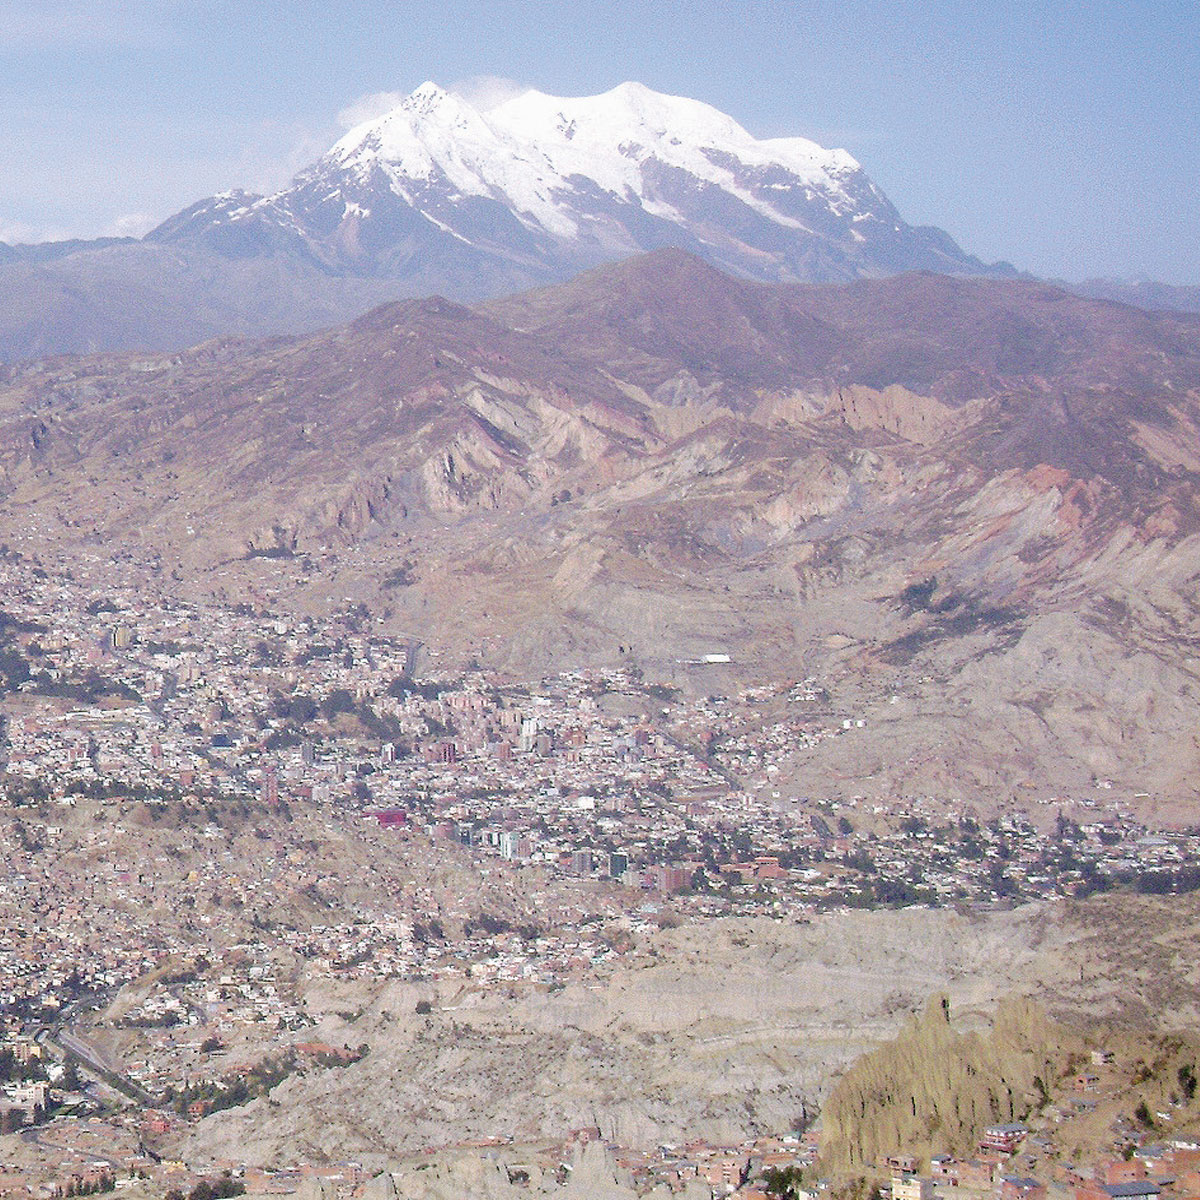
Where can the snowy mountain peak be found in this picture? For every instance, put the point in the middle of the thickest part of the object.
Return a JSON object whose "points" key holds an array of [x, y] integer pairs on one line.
{"points": [[429, 107], [533, 151], [427, 95], [540, 186]]}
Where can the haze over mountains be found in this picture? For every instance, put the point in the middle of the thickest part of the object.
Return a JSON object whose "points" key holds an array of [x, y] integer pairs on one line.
{"points": [[969, 507], [437, 197]]}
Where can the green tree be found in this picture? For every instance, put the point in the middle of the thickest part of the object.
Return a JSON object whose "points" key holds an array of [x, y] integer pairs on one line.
{"points": [[784, 1182]]}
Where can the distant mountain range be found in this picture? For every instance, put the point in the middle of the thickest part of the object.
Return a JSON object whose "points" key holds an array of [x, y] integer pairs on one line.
{"points": [[436, 197], [969, 506], [1144, 293]]}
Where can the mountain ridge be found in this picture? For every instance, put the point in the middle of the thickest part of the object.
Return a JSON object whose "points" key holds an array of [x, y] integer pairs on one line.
{"points": [[559, 184], [437, 197]]}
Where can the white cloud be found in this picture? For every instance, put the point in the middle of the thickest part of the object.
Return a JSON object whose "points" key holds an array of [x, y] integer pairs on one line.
{"points": [[23, 233], [272, 152], [130, 225], [485, 92], [482, 92], [367, 108]]}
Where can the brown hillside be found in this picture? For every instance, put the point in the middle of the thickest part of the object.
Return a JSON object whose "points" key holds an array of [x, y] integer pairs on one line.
{"points": [[656, 461]]}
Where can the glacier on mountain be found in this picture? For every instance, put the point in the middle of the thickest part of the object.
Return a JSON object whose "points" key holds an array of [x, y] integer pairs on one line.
{"points": [[538, 187]]}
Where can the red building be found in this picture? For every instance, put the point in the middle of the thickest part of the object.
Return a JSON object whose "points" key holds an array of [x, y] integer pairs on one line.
{"points": [[1136, 1189], [390, 818], [1004, 1139], [1019, 1187], [1120, 1170]]}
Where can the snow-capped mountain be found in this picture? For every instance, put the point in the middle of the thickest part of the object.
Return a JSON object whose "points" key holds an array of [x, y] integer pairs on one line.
{"points": [[438, 196], [446, 197]]}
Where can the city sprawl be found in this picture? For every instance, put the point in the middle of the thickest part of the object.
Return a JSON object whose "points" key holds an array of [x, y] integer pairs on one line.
{"points": [[213, 807]]}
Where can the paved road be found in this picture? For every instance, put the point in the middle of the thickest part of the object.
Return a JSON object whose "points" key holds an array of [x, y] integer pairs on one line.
{"points": [[91, 1060]]}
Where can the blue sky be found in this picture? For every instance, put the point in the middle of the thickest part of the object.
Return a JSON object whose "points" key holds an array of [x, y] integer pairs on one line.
{"points": [[1062, 136]]}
